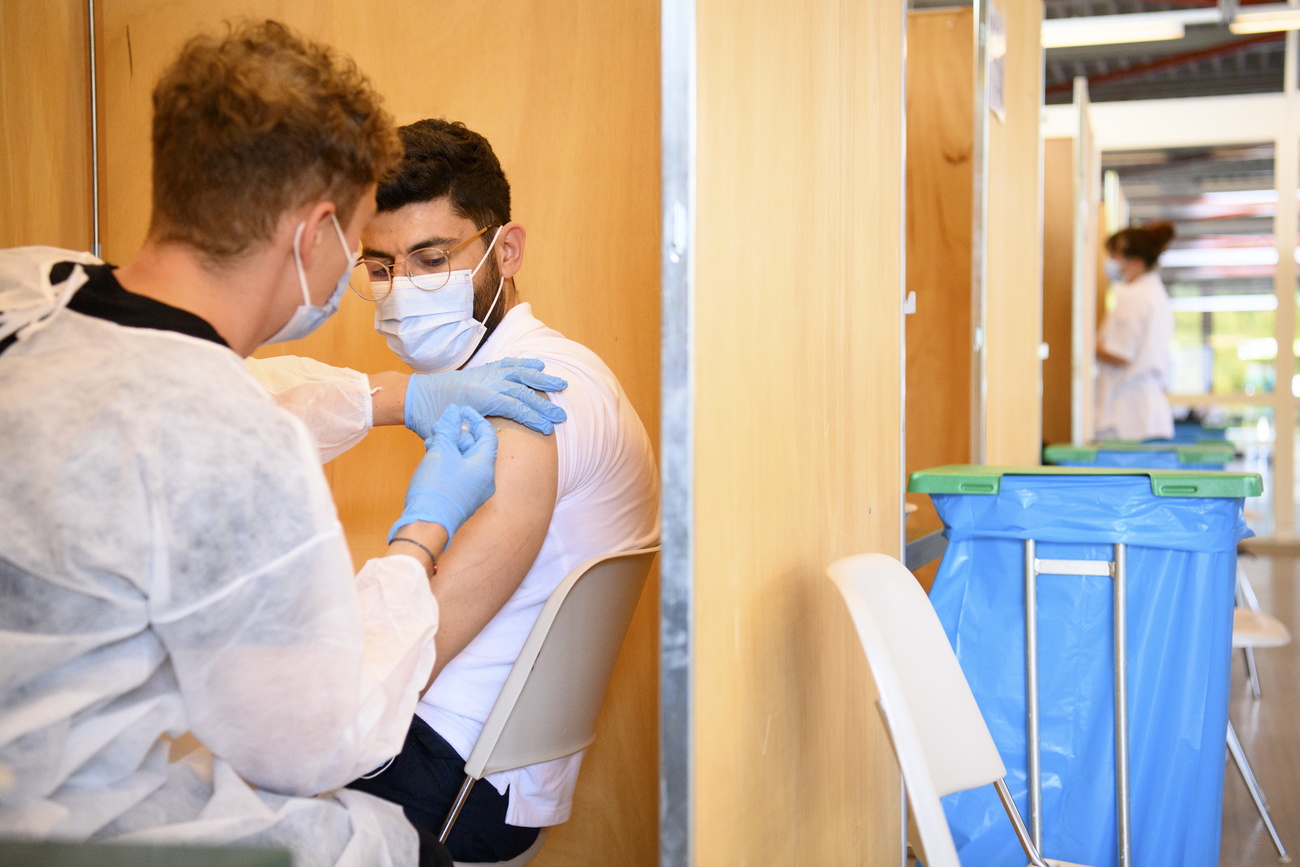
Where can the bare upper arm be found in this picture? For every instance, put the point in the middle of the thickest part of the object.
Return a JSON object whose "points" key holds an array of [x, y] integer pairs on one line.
{"points": [[493, 551]]}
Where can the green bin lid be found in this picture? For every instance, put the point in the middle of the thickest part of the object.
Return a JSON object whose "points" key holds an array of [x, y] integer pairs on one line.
{"points": [[979, 479], [1212, 452]]}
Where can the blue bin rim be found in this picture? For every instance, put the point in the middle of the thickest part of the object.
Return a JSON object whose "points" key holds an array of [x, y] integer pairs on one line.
{"points": [[982, 479], [1217, 453]]}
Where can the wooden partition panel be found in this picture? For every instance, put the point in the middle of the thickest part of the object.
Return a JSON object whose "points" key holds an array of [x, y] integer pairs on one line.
{"points": [[45, 193], [1014, 286], [1058, 285], [568, 96], [940, 179], [797, 417]]}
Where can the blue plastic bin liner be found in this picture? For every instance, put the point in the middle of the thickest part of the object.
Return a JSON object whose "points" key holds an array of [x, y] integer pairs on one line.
{"points": [[1194, 432], [1153, 459], [1181, 575]]}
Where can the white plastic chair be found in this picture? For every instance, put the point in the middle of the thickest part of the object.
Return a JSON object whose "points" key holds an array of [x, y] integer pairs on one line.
{"points": [[548, 706], [1251, 628], [940, 738]]}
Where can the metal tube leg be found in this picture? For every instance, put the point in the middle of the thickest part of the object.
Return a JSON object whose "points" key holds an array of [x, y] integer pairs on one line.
{"points": [[1031, 695], [1246, 592], [1017, 825], [1252, 673], [461, 797], [902, 832], [1239, 757], [1121, 704]]}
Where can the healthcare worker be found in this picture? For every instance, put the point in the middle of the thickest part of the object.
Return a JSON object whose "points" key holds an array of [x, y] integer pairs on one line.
{"points": [[1134, 342], [170, 558]]}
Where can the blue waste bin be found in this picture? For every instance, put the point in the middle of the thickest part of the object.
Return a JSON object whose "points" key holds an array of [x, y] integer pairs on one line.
{"points": [[1142, 456], [1174, 536], [1199, 432]]}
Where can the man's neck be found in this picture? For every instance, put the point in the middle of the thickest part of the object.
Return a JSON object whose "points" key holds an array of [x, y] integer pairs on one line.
{"points": [[233, 300]]}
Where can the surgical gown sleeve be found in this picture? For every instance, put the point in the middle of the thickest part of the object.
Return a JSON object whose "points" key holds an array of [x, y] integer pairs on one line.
{"points": [[333, 402], [300, 674]]}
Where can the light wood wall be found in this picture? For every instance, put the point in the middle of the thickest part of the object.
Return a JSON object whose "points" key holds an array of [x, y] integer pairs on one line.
{"points": [[940, 178], [1014, 282], [1061, 207], [940, 191], [568, 96], [1058, 285], [797, 419], [44, 124]]}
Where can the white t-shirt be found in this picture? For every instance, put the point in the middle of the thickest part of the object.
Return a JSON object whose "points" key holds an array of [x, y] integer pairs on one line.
{"points": [[607, 500], [1131, 401]]}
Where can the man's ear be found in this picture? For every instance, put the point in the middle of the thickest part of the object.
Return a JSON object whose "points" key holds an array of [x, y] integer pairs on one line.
{"points": [[318, 222], [510, 249]]}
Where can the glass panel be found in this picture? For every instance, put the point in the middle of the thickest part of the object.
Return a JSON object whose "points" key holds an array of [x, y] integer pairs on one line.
{"points": [[1219, 268]]}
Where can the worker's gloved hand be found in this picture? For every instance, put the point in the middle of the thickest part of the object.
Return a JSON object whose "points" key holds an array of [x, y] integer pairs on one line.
{"points": [[457, 473], [506, 388]]}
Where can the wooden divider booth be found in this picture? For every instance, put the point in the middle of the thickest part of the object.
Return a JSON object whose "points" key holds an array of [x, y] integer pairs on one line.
{"points": [[974, 251], [1073, 279], [567, 95]]}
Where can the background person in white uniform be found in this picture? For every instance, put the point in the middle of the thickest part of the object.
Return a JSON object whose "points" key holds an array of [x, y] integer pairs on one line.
{"points": [[170, 556], [1134, 342], [444, 254]]}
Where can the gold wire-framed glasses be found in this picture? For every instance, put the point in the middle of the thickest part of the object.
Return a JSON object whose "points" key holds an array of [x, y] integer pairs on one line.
{"points": [[432, 264]]}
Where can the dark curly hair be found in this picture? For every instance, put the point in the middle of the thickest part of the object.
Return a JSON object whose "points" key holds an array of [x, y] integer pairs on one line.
{"points": [[443, 158]]}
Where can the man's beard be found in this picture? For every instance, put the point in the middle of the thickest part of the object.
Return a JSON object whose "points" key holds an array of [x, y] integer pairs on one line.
{"points": [[485, 290]]}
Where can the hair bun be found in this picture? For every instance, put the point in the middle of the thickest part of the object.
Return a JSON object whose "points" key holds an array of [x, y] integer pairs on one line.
{"points": [[1161, 232]]}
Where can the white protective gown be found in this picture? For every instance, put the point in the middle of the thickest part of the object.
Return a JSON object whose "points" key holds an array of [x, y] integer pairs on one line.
{"points": [[171, 561], [1131, 400]]}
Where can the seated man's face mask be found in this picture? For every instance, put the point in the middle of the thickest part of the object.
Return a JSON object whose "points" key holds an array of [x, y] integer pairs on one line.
{"points": [[308, 317], [434, 331]]}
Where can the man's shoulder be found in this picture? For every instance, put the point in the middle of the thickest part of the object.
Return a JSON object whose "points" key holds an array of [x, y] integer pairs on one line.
{"points": [[564, 357]]}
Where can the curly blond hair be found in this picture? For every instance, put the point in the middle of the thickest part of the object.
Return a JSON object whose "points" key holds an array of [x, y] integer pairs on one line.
{"points": [[257, 122]]}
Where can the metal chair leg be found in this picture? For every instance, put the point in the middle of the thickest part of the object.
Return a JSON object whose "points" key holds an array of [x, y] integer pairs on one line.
{"points": [[1018, 825], [1252, 673], [1248, 775], [456, 807], [1246, 592]]}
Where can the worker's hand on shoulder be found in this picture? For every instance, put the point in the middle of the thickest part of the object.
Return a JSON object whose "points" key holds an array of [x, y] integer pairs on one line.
{"points": [[457, 473], [508, 388]]}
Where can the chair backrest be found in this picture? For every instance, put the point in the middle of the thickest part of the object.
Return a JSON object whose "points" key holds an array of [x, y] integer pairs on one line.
{"points": [[941, 740], [548, 706]]}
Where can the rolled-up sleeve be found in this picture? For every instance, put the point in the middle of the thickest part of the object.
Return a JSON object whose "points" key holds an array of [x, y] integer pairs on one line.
{"points": [[333, 402]]}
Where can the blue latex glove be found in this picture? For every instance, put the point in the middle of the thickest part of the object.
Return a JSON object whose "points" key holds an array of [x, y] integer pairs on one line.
{"points": [[506, 388], [456, 475]]}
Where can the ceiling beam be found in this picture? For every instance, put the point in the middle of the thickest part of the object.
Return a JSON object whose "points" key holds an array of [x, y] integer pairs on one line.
{"points": [[1167, 62]]}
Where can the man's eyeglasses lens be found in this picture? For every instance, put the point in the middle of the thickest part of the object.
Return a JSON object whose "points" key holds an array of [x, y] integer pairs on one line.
{"points": [[373, 279]]}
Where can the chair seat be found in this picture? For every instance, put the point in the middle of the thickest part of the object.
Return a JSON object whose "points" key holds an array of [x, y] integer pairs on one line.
{"points": [[1257, 629], [1054, 863], [519, 860]]}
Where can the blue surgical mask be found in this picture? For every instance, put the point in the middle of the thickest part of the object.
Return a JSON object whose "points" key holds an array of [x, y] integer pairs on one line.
{"points": [[1113, 271], [308, 317], [434, 331]]}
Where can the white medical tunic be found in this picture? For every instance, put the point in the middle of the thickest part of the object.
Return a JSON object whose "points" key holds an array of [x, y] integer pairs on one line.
{"points": [[171, 561], [1131, 400]]}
